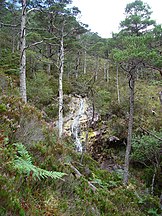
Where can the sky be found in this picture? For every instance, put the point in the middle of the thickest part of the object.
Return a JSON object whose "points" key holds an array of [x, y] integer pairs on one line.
{"points": [[104, 16]]}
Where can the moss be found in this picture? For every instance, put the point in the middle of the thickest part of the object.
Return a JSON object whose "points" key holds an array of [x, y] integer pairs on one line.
{"points": [[3, 108]]}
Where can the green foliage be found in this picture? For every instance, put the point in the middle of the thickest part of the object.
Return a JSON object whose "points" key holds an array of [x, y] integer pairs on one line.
{"points": [[146, 151], [39, 90], [137, 18], [3, 108], [102, 101], [156, 82], [134, 49], [146, 148], [9, 62], [12, 72], [23, 164], [153, 212]]}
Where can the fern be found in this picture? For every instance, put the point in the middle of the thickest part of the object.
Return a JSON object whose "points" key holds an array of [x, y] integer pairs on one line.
{"points": [[23, 164]]}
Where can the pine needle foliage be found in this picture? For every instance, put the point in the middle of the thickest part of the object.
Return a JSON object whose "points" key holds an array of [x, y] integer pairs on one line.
{"points": [[23, 164]]}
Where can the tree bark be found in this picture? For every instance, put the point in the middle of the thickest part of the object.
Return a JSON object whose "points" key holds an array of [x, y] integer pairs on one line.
{"points": [[106, 71], [49, 69], [130, 127], [77, 65], [60, 123], [23, 53], [160, 97], [96, 69], [117, 83], [85, 62]]}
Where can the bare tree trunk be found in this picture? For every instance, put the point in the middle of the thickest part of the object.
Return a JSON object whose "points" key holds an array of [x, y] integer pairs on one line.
{"points": [[13, 43], [152, 183], [106, 71], [85, 62], [130, 127], [49, 51], [96, 69], [60, 123], [137, 72], [77, 65], [23, 54], [160, 97], [69, 71], [117, 83], [49, 69]]}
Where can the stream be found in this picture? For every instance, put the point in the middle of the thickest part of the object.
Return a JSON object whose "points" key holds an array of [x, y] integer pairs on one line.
{"points": [[75, 127], [77, 120]]}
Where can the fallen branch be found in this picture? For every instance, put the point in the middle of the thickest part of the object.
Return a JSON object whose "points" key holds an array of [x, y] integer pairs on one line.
{"points": [[78, 175]]}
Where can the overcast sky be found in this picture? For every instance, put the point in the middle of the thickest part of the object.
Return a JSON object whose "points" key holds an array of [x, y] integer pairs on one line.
{"points": [[104, 16]]}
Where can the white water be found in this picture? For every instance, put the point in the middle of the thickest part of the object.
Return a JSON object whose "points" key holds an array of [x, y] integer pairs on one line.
{"points": [[76, 126]]}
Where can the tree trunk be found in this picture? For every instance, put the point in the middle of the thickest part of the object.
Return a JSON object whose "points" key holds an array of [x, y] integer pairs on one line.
{"points": [[85, 62], [130, 127], [117, 83], [106, 71], [160, 97], [60, 123], [13, 43], [49, 69], [77, 65], [69, 71], [23, 53], [137, 72], [96, 69]]}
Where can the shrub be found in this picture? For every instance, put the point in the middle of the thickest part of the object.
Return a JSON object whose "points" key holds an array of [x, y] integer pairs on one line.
{"points": [[146, 148], [39, 90]]}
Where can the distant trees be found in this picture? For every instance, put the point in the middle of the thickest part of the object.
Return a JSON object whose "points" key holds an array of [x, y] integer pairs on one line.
{"points": [[51, 26]]}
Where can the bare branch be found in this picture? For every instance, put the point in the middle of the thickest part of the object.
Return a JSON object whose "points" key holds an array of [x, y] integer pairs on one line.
{"points": [[80, 175], [34, 44], [151, 133], [154, 68], [8, 25], [33, 9]]}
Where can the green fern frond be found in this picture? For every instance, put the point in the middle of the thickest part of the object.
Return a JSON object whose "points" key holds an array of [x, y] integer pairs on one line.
{"points": [[23, 164], [22, 151]]}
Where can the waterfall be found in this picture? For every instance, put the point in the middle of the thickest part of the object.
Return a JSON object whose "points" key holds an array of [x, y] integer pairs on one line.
{"points": [[76, 126]]}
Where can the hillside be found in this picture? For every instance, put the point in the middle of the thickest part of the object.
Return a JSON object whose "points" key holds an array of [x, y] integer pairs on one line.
{"points": [[80, 116], [101, 165]]}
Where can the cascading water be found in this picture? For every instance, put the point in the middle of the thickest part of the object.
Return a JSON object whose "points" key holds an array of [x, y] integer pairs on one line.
{"points": [[76, 127]]}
